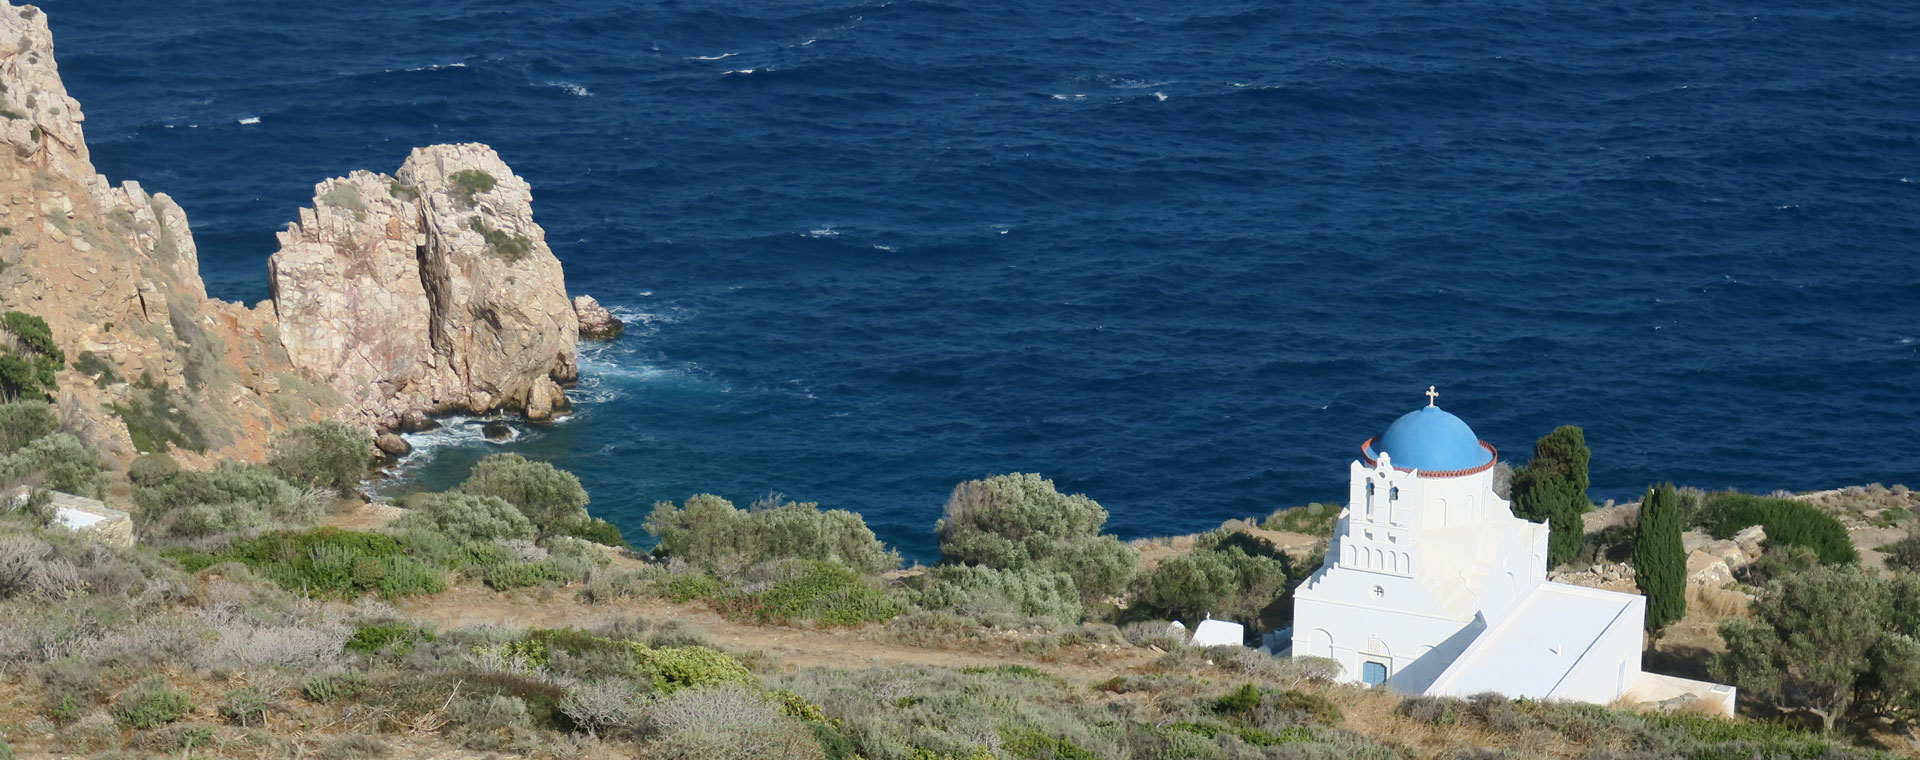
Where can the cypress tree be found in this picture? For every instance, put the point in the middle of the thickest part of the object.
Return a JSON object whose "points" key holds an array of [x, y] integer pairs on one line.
{"points": [[1545, 495], [1659, 558], [1565, 451]]}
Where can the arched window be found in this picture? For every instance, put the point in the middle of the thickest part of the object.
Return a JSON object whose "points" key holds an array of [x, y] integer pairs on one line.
{"points": [[1369, 498], [1393, 494]]}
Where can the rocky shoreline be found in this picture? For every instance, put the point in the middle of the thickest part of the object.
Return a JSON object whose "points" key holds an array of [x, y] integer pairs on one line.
{"points": [[393, 297]]}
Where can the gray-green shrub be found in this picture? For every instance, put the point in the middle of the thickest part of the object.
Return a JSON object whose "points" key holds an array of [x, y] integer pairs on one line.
{"points": [[328, 454], [467, 517], [23, 422], [1020, 521], [727, 722], [711, 534], [982, 593], [58, 461], [551, 498]]}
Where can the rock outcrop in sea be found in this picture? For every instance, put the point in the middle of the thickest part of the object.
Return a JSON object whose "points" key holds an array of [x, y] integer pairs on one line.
{"points": [[393, 297], [431, 290]]}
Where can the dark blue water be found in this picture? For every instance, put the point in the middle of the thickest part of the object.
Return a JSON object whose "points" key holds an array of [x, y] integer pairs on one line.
{"points": [[1181, 257]]}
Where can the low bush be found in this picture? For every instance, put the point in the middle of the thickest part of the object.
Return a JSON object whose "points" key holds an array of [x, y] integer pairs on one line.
{"points": [[58, 461], [329, 454], [328, 562], [156, 421], [827, 593], [246, 706], [982, 592], [334, 686], [522, 574], [154, 703], [396, 639], [1787, 521], [184, 505], [1222, 578], [23, 422], [552, 499], [728, 723], [1315, 519], [467, 517], [1021, 521], [714, 536], [469, 183]]}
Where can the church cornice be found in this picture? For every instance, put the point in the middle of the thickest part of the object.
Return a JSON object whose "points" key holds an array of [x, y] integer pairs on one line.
{"points": [[1366, 455]]}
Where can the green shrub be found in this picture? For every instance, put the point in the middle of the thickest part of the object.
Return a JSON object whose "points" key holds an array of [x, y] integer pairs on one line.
{"points": [[711, 534], [978, 592], [327, 454], [90, 364], [501, 243], [467, 517], [152, 470], [1020, 521], [688, 587], [246, 707], [469, 183], [1028, 743], [153, 703], [552, 499], [155, 420], [23, 422], [1321, 709], [1239, 701], [1315, 519], [396, 639], [330, 562], [328, 688], [522, 574], [596, 530], [1904, 554], [1787, 521], [230, 498], [1220, 577], [27, 371], [827, 593], [60, 462]]}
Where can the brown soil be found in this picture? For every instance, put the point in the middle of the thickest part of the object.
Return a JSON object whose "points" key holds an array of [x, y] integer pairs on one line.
{"points": [[794, 647]]}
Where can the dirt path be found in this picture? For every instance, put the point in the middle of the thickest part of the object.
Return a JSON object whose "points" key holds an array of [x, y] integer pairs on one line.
{"points": [[794, 647]]}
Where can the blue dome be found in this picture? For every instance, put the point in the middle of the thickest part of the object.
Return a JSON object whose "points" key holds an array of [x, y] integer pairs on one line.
{"points": [[1431, 440]]}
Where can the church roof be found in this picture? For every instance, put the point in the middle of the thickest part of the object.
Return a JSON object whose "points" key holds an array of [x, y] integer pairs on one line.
{"points": [[1430, 439]]}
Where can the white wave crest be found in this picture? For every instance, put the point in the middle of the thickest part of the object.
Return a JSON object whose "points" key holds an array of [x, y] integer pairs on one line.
{"points": [[711, 57], [250, 120], [571, 89]]}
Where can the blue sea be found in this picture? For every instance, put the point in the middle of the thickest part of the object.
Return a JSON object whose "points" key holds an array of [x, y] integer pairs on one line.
{"points": [[1181, 257]]}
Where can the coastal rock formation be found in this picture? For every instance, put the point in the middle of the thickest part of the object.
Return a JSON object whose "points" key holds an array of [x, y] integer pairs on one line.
{"points": [[115, 273], [431, 290], [393, 296], [596, 323]]}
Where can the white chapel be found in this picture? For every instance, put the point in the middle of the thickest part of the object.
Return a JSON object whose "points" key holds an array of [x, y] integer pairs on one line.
{"points": [[1432, 586]]}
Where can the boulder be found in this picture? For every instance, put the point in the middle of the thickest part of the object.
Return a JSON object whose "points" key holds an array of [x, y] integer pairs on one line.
{"points": [[393, 445], [497, 431], [1708, 569], [1752, 541], [596, 323]]}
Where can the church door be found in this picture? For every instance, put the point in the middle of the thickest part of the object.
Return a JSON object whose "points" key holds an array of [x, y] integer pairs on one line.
{"points": [[1373, 673]]}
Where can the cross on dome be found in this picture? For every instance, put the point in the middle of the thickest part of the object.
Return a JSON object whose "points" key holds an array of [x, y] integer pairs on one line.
{"points": [[1432, 395]]}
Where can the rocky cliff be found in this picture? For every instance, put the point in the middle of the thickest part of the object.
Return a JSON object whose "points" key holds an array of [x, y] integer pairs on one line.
{"points": [[431, 290]]}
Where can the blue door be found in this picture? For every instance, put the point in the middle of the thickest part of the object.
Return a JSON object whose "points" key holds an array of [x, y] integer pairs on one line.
{"points": [[1373, 673]]}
